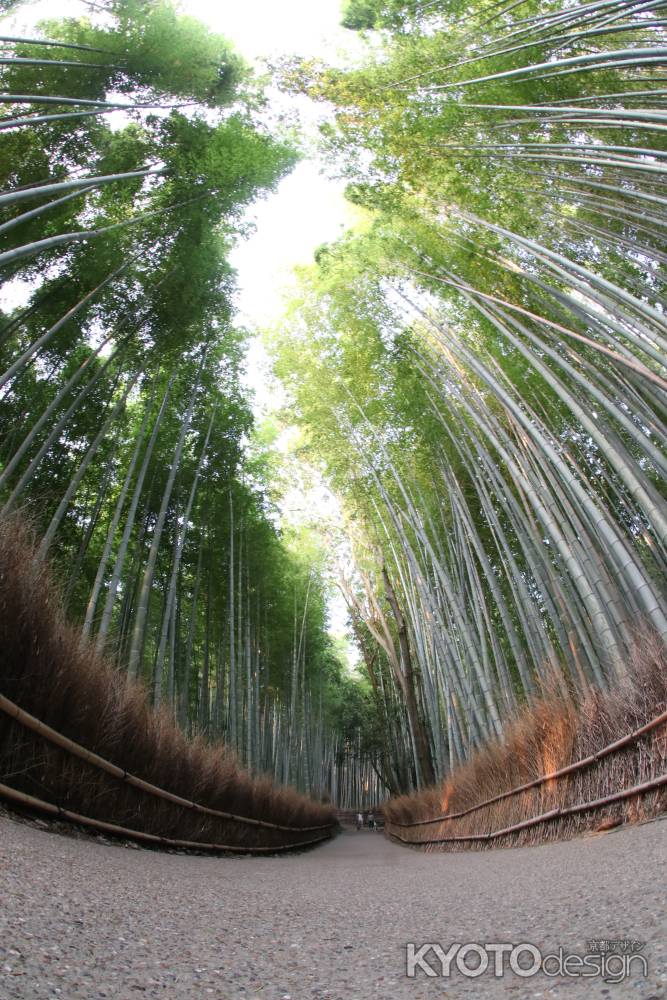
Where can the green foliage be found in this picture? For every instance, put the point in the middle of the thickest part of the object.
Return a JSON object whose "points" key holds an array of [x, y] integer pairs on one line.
{"points": [[360, 14], [364, 15], [164, 53]]}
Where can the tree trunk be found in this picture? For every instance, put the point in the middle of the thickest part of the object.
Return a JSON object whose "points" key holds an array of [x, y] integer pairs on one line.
{"points": [[421, 742]]}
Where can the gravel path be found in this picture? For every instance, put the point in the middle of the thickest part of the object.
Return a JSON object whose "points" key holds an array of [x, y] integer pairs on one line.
{"points": [[82, 920]]}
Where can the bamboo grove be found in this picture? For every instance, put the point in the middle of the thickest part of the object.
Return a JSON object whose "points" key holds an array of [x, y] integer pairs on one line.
{"points": [[131, 145], [480, 365], [477, 368]]}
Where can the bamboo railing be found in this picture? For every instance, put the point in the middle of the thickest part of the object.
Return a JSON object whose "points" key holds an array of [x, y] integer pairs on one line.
{"points": [[553, 814], [646, 786], [29, 722], [552, 776], [30, 802]]}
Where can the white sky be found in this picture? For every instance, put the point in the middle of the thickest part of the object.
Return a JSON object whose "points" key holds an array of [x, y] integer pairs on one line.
{"points": [[306, 210], [269, 27]]}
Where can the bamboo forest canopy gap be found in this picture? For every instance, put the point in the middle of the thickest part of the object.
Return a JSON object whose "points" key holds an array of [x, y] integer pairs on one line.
{"points": [[477, 368]]}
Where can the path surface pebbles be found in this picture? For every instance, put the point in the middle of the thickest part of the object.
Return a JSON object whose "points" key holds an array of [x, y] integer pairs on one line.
{"points": [[84, 920]]}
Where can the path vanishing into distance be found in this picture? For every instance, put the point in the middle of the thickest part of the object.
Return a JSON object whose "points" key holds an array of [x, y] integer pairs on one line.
{"points": [[82, 919]]}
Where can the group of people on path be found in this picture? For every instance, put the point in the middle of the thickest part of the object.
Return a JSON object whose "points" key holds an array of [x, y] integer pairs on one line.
{"points": [[370, 820]]}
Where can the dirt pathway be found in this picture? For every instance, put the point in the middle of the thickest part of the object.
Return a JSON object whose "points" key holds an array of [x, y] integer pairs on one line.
{"points": [[81, 920]]}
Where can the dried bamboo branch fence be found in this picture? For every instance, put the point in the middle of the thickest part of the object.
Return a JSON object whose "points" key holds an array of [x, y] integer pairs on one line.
{"points": [[30, 802], [647, 786], [29, 722], [544, 778], [553, 814]]}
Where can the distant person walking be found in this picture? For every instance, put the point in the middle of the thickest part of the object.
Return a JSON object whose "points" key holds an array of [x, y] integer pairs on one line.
{"points": [[371, 820], [360, 821]]}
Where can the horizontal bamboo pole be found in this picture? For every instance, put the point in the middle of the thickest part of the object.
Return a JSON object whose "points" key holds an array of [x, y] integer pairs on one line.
{"points": [[52, 810], [643, 789], [30, 722], [544, 778]]}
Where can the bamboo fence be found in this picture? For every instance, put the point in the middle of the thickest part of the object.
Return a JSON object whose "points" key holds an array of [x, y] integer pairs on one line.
{"points": [[29, 722], [552, 814]]}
